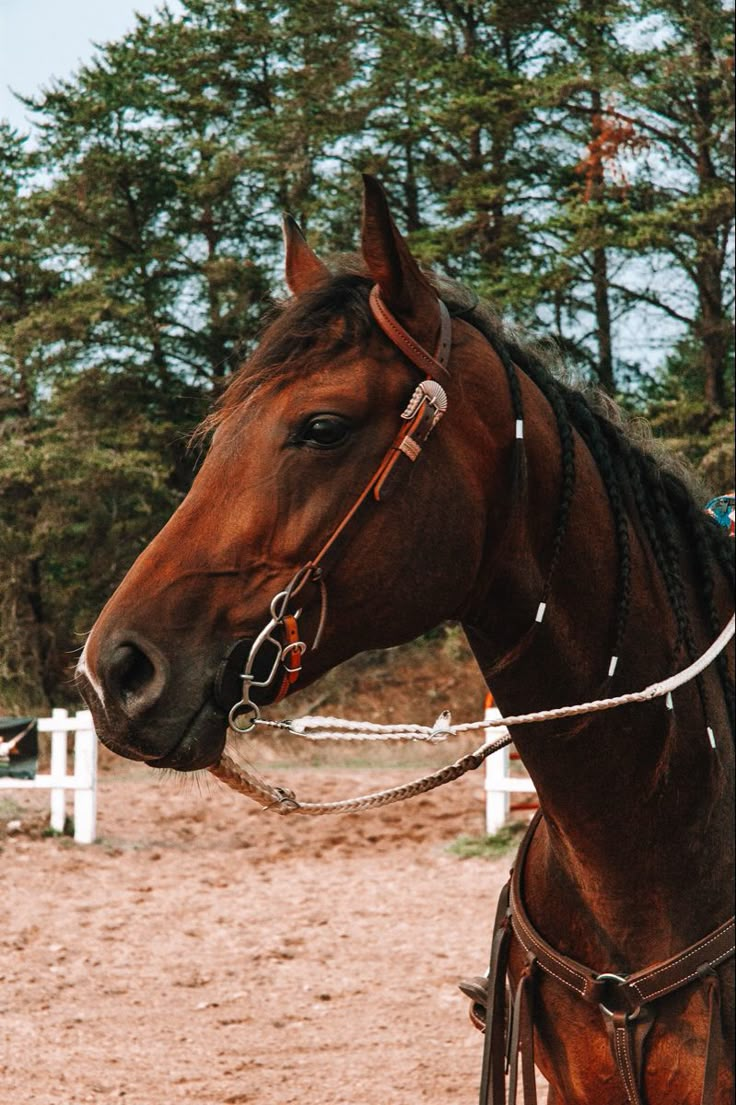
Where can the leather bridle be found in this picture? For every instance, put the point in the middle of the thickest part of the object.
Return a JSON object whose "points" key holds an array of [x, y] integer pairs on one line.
{"points": [[271, 663], [624, 1001]]}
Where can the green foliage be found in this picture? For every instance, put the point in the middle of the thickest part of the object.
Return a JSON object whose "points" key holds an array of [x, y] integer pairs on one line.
{"points": [[537, 151], [489, 847], [680, 416], [81, 493]]}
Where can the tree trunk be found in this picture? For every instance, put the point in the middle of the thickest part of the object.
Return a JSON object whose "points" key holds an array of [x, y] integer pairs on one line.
{"points": [[411, 190], [712, 327], [601, 298], [604, 367], [713, 331]]}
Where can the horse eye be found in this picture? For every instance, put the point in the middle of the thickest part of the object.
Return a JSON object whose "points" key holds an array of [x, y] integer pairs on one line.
{"points": [[325, 431]]}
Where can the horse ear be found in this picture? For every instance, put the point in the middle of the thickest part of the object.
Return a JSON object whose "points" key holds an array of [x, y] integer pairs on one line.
{"points": [[404, 288], [302, 268]]}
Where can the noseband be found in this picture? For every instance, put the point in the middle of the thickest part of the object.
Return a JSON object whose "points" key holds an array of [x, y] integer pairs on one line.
{"points": [[269, 665]]}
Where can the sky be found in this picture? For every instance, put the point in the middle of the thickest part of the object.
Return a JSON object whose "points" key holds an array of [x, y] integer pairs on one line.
{"points": [[42, 39]]}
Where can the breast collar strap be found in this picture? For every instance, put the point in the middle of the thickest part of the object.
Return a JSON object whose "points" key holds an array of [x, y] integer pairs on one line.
{"points": [[623, 1001]]}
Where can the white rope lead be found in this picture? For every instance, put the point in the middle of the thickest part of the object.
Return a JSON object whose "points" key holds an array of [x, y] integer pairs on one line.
{"points": [[285, 801], [324, 728]]}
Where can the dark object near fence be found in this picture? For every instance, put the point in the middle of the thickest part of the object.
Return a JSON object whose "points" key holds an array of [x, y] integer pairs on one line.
{"points": [[18, 747]]}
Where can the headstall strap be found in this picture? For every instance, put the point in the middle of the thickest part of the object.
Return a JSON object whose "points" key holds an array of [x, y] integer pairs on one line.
{"points": [[291, 655], [427, 406], [429, 401], [424, 410], [434, 366], [623, 1001]]}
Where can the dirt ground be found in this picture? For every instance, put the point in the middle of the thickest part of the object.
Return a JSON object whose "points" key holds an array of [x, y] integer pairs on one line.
{"points": [[205, 951]]}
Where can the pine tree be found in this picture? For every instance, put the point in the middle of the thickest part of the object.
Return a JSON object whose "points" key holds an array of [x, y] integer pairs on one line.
{"points": [[28, 283], [450, 124], [582, 184], [682, 97]]}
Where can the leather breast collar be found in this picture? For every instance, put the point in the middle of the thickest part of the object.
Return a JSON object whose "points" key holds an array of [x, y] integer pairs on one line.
{"points": [[623, 1001]]}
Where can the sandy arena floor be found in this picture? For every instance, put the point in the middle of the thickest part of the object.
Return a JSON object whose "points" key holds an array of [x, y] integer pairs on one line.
{"points": [[206, 952]]}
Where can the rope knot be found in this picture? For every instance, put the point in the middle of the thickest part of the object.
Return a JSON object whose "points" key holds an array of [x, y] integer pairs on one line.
{"points": [[285, 801]]}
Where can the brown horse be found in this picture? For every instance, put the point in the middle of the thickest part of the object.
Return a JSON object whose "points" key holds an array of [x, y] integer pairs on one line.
{"points": [[576, 563]]}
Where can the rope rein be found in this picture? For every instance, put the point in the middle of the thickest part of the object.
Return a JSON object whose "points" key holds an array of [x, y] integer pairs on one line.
{"points": [[321, 728], [427, 406]]}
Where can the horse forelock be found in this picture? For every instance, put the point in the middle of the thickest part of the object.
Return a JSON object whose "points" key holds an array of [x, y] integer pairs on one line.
{"points": [[299, 336]]}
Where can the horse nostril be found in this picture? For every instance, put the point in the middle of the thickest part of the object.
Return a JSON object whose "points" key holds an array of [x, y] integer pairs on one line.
{"points": [[131, 669], [134, 677]]}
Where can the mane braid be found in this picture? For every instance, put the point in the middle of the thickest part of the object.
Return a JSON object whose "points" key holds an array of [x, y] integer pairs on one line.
{"points": [[665, 509], [704, 561], [595, 439], [641, 490]]}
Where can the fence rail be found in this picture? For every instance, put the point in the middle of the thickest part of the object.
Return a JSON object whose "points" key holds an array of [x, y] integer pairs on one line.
{"points": [[82, 781]]}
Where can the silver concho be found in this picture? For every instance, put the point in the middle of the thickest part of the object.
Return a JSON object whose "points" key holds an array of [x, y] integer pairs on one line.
{"points": [[429, 391]]}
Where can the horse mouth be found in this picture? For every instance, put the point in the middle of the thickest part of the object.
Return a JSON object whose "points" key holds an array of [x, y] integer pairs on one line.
{"points": [[179, 744], [200, 746]]}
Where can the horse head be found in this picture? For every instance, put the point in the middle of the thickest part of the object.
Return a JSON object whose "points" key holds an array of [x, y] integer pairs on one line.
{"points": [[290, 490]]}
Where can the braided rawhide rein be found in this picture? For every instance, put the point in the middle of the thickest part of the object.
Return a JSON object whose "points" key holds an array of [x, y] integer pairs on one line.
{"points": [[285, 801]]}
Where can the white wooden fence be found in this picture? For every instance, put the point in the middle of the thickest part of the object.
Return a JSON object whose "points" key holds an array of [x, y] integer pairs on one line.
{"points": [[499, 784], [83, 779]]}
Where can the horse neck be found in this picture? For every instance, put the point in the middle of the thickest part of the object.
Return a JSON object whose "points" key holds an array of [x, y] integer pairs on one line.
{"points": [[625, 791]]}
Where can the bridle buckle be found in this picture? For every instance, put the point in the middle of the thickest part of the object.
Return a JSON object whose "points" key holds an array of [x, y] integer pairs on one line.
{"points": [[431, 393]]}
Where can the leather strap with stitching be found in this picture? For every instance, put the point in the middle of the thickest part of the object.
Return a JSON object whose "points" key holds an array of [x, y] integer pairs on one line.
{"points": [[627, 1026], [433, 366], [492, 1086], [416, 431], [642, 986]]}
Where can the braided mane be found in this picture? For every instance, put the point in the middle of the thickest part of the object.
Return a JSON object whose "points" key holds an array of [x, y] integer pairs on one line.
{"points": [[662, 490], [302, 334]]}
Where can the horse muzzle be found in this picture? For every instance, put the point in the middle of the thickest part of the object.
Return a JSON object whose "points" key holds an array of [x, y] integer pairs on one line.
{"points": [[143, 709]]}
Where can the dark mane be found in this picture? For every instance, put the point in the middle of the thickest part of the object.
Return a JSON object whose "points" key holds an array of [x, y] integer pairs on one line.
{"points": [[667, 499], [659, 494]]}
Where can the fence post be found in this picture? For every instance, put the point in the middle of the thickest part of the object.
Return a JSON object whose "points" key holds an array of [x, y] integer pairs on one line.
{"points": [[58, 770], [85, 778], [497, 768]]}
